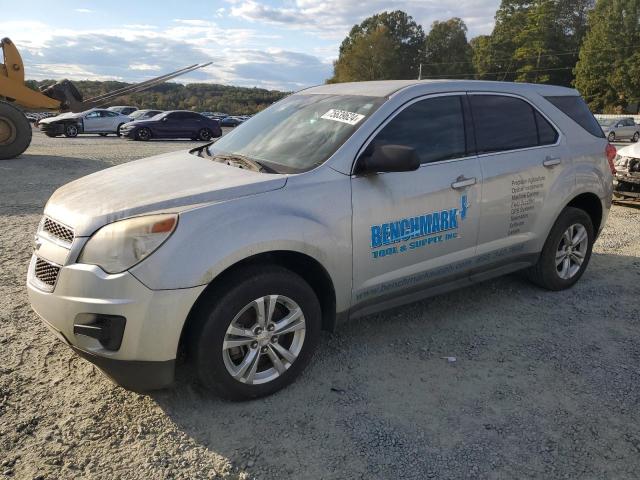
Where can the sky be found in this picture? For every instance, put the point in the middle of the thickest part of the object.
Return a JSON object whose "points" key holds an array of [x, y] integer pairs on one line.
{"points": [[284, 45]]}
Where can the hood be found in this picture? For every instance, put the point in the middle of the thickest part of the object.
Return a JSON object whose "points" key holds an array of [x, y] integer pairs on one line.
{"points": [[144, 121], [62, 116], [632, 151], [169, 182]]}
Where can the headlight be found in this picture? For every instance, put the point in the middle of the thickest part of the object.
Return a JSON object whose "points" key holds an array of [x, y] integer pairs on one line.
{"points": [[120, 245]]}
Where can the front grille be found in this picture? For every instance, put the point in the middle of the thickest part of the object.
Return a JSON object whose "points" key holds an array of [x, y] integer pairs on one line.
{"points": [[57, 230], [46, 272]]}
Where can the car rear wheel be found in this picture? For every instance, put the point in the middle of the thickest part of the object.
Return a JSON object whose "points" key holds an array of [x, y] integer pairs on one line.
{"points": [[71, 130], [256, 334], [143, 134], [566, 252], [611, 137], [636, 137], [205, 135]]}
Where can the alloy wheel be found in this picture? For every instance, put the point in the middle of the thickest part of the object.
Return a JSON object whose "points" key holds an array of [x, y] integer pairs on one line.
{"points": [[264, 339], [144, 134], [571, 251]]}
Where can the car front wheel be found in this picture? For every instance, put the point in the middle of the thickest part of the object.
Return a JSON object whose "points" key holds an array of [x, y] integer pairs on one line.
{"points": [[611, 137], [636, 137], [566, 252], [71, 130], [143, 134], [256, 334]]}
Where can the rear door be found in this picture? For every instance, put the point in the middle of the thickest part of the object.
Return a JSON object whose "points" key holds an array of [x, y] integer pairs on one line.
{"points": [[522, 161], [417, 229]]}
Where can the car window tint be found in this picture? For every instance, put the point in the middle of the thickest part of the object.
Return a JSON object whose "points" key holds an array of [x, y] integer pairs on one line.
{"points": [[503, 123], [547, 135], [574, 107], [433, 127], [93, 115]]}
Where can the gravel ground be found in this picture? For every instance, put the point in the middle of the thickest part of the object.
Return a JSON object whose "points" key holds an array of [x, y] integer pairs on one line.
{"points": [[545, 385]]}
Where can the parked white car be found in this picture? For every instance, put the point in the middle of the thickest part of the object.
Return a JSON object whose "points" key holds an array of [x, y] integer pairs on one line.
{"points": [[627, 181], [96, 120]]}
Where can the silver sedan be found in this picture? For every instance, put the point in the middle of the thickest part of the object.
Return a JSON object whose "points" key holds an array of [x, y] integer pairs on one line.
{"points": [[620, 129]]}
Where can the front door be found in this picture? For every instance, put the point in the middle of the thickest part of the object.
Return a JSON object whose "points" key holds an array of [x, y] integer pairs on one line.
{"points": [[417, 229]]}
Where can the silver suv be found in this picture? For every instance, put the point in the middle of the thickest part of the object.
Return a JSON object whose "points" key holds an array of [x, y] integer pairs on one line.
{"points": [[336, 202]]}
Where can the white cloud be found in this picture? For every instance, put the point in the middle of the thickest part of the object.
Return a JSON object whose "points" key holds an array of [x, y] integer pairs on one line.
{"points": [[333, 18], [132, 53], [144, 67], [83, 10]]}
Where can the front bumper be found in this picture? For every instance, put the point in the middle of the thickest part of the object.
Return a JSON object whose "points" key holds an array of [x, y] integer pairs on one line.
{"points": [[52, 128], [154, 319], [127, 132]]}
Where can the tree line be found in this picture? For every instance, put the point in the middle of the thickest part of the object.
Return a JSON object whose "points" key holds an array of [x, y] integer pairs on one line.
{"points": [[174, 96], [593, 46]]}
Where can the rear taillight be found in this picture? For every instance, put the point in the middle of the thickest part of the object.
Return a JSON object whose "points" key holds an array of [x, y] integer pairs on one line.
{"points": [[610, 152]]}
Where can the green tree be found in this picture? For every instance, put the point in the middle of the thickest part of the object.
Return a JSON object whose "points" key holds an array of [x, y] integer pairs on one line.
{"points": [[395, 40], [446, 50], [608, 70], [533, 41]]}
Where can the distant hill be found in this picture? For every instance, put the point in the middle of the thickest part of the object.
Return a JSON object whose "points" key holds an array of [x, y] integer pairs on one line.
{"points": [[173, 96]]}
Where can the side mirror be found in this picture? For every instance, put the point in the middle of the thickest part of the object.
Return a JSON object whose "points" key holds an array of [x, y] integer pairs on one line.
{"points": [[387, 158]]}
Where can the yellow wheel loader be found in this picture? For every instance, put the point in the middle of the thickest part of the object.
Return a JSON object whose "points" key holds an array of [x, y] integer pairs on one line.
{"points": [[15, 130]]}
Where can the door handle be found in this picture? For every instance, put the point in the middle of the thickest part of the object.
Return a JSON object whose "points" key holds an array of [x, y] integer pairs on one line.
{"points": [[462, 182], [551, 162]]}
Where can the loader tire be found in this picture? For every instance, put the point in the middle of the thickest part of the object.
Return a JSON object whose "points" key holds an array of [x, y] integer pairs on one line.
{"points": [[15, 131]]}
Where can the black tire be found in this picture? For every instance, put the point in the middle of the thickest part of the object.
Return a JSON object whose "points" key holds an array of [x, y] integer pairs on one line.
{"points": [[15, 131], [545, 272], [143, 134], [70, 130], [103, 134], [205, 134], [216, 312], [636, 137], [118, 130], [611, 137]]}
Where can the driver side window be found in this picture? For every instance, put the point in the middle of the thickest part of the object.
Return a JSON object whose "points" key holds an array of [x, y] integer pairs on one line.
{"points": [[433, 127]]}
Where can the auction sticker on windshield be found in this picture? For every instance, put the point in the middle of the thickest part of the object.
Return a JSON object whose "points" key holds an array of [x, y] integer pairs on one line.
{"points": [[343, 116]]}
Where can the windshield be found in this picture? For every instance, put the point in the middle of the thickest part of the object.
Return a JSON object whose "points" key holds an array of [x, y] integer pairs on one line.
{"points": [[299, 132]]}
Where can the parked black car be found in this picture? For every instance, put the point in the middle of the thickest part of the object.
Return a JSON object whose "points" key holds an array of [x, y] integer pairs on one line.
{"points": [[174, 124]]}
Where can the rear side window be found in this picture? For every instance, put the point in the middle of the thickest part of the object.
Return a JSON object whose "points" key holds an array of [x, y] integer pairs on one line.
{"points": [[433, 127], [575, 108], [547, 135], [508, 123]]}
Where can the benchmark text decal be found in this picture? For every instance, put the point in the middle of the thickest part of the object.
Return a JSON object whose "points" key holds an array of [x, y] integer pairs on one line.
{"points": [[417, 232]]}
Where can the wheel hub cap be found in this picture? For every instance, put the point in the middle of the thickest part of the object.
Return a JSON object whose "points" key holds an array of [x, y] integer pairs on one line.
{"points": [[7, 131], [264, 339], [571, 251]]}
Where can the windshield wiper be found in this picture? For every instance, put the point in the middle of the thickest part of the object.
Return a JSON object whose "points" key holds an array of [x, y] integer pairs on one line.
{"points": [[231, 159]]}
